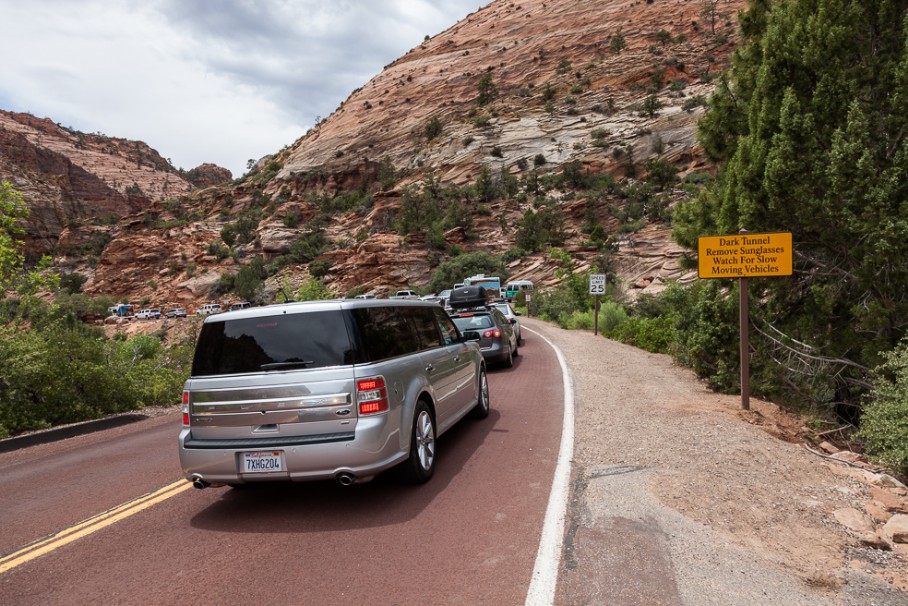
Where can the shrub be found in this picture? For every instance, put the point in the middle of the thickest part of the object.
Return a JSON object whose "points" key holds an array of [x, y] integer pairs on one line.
{"points": [[579, 320], [488, 92], [292, 219], [320, 268], [432, 129], [651, 106], [694, 102], [538, 229], [217, 250], [599, 133], [611, 315], [387, 175], [313, 290], [656, 335], [99, 377], [308, 247], [884, 423]]}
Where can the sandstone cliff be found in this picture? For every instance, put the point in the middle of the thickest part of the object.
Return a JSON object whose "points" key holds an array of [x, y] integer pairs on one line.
{"points": [[520, 87]]}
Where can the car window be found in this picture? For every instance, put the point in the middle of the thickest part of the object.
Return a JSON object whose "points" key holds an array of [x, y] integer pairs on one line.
{"points": [[385, 332], [474, 322], [448, 329], [426, 328], [311, 340]]}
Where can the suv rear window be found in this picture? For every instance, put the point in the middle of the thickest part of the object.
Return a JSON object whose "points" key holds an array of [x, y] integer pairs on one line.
{"points": [[284, 342], [474, 322]]}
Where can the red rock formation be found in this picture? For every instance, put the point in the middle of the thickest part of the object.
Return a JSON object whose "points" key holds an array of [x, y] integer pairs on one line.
{"points": [[565, 81]]}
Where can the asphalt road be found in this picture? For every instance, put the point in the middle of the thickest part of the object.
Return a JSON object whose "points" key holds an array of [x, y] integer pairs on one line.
{"points": [[469, 536]]}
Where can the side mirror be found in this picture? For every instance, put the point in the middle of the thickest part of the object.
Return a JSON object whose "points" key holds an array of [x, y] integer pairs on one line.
{"points": [[513, 321], [471, 335]]}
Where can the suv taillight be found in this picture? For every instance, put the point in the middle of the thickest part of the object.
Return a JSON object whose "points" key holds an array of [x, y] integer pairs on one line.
{"points": [[185, 409], [372, 396]]}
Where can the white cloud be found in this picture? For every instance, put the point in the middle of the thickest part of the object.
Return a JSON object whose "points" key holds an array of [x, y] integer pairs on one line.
{"points": [[204, 80]]}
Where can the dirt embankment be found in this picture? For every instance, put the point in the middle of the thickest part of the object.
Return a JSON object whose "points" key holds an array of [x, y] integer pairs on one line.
{"points": [[731, 502]]}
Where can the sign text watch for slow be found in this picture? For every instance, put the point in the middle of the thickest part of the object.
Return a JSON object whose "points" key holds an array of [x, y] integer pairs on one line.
{"points": [[745, 255]]}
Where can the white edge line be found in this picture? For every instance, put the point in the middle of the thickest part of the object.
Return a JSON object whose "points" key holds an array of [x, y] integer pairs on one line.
{"points": [[548, 557]]}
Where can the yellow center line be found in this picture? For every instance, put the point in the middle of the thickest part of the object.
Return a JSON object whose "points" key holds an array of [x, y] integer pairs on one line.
{"points": [[91, 525]]}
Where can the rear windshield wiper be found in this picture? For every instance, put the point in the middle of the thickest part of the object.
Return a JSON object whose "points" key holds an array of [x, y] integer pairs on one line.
{"points": [[284, 365]]}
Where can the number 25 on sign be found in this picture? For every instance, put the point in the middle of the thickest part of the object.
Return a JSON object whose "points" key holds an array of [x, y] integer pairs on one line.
{"points": [[597, 284]]}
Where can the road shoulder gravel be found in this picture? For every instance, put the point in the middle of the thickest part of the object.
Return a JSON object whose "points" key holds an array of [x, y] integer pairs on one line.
{"points": [[680, 497]]}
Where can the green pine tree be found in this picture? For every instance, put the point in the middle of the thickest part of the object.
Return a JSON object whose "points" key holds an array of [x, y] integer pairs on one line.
{"points": [[811, 129]]}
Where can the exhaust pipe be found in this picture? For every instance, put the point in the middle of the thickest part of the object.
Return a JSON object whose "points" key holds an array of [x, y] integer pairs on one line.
{"points": [[199, 483], [346, 478]]}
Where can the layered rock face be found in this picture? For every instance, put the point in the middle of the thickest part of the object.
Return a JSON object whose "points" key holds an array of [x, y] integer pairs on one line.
{"points": [[565, 81], [71, 179], [520, 87], [560, 69]]}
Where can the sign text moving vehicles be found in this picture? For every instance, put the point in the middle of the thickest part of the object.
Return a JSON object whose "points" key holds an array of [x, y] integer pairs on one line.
{"points": [[744, 255]]}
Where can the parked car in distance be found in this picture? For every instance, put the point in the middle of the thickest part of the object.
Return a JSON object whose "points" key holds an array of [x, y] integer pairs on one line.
{"points": [[511, 316], [433, 298], [179, 312], [497, 341], [240, 305], [405, 294], [327, 389], [365, 296], [208, 309], [149, 314]]}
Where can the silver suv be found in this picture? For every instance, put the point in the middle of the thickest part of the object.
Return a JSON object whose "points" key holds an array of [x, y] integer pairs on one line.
{"points": [[327, 389]]}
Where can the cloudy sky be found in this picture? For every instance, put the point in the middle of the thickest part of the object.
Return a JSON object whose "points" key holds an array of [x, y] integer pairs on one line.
{"points": [[220, 81]]}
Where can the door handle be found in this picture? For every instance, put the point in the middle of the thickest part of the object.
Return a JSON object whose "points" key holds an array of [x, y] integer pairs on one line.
{"points": [[429, 368]]}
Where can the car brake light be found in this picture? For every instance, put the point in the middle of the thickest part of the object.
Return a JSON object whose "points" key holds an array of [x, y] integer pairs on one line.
{"points": [[494, 333], [372, 396], [185, 409]]}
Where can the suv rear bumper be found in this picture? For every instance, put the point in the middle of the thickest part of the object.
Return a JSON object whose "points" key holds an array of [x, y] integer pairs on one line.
{"points": [[362, 454]]}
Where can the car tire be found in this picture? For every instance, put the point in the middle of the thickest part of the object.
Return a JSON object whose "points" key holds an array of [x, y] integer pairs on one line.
{"points": [[481, 410], [509, 362], [420, 465]]}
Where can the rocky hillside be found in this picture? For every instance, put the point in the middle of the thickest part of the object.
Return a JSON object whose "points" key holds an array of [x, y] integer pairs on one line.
{"points": [[77, 185], [524, 89]]}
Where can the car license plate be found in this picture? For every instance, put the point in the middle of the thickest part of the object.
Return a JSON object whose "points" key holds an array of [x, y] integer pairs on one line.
{"points": [[262, 462]]}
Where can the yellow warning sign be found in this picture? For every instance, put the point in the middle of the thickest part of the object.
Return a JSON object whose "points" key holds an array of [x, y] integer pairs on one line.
{"points": [[744, 255]]}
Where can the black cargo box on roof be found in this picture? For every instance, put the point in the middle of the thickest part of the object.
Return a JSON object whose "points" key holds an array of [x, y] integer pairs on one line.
{"points": [[467, 296]]}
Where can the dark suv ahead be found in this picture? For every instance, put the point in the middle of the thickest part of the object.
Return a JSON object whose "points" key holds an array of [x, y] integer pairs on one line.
{"points": [[497, 339], [327, 389]]}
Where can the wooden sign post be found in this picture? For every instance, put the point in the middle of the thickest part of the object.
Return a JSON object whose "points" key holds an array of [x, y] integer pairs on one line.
{"points": [[744, 256], [597, 287]]}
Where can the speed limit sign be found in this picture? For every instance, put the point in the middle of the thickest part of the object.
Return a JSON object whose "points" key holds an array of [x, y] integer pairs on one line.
{"points": [[597, 284]]}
